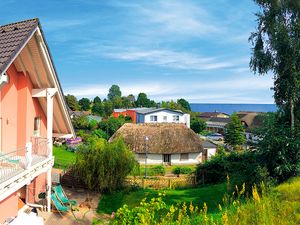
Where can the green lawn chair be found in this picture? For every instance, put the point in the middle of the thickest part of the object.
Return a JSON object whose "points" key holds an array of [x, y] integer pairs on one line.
{"points": [[62, 196], [60, 207]]}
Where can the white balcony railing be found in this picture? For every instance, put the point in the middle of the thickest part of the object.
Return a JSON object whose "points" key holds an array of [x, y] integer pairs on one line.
{"points": [[14, 162]]}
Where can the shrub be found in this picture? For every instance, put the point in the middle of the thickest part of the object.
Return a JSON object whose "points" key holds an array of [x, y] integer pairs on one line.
{"points": [[104, 166], [100, 134], [240, 167], [182, 170], [156, 171]]}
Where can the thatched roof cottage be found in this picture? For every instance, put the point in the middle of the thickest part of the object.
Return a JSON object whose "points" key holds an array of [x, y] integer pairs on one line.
{"points": [[162, 142]]}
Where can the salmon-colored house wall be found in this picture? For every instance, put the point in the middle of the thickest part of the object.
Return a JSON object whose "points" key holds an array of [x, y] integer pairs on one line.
{"points": [[18, 110], [9, 207], [37, 186], [128, 112]]}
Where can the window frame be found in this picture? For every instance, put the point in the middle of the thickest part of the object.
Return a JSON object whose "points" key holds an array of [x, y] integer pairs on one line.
{"points": [[186, 158]]}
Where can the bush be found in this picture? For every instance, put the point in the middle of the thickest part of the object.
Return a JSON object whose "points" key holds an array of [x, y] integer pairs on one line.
{"points": [[104, 166], [156, 171], [239, 167], [100, 134], [182, 170]]}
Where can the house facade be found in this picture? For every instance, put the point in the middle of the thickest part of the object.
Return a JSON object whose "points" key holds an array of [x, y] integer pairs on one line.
{"points": [[208, 115], [125, 112], [162, 143], [162, 115], [32, 112]]}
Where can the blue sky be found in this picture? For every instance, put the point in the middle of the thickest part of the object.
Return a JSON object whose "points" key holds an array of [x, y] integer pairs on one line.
{"points": [[168, 49]]}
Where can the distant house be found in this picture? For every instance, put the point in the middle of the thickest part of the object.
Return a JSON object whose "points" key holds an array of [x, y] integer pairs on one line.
{"points": [[251, 121], [208, 115], [95, 118], [164, 143], [154, 115], [162, 115], [209, 150], [217, 124], [76, 114], [32, 111], [126, 112]]}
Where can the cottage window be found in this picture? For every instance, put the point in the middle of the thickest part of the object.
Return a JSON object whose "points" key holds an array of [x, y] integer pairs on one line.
{"points": [[176, 118], [184, 156], [165, 118], [37, 126], [142, 156], [153, 118]]}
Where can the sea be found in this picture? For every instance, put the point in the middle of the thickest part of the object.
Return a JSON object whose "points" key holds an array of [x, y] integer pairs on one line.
{"points": [[230, 108]]}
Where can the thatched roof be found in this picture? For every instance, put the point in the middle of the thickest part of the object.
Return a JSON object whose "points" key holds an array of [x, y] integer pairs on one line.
{"points": [[251, 120], [164, 138]]}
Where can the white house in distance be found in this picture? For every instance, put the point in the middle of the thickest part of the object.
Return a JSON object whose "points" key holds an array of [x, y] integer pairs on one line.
{"points": [[165, 143], [161, 115]]}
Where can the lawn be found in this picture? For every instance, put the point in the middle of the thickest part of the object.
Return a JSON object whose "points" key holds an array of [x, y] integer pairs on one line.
{"points": [[211, 195], [63, 158]]}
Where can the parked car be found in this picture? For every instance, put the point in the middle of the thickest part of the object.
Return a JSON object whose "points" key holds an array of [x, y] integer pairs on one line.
{"points": [[215, 137]]}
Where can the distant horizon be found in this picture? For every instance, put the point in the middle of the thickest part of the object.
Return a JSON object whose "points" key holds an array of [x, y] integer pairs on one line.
{"points": [[232, 107]]}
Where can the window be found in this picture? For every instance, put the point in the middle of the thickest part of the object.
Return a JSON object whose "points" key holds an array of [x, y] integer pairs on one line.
{"points": [[175, 118], [153, 118], [142, 156], [165, 118], [184, 156], [37, 126]]}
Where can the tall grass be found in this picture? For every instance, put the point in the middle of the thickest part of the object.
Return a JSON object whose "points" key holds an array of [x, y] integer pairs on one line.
{"points": [[280, 206]]}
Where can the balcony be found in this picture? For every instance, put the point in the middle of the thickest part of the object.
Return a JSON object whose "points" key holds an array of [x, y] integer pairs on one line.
{"points": [[17, 161]]}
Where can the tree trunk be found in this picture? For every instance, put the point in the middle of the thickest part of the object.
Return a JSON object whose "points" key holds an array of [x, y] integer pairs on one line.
{"points": [[292, 115]]}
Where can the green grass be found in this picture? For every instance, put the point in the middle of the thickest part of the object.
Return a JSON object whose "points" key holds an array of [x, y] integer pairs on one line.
{"points": [[211, 195], [63, 158]]}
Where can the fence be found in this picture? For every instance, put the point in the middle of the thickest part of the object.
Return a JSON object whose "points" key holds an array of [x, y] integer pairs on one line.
{"points": [[163, 182]]}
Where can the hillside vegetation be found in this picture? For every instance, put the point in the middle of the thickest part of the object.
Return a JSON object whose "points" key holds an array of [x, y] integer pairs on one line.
{"points": [[279, 206]]}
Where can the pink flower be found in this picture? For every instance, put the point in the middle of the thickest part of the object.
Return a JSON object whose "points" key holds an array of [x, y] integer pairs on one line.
{"points": [[112, 215]]}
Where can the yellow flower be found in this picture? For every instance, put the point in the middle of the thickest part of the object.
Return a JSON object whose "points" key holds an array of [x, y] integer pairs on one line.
{"points": [[255, 194]]}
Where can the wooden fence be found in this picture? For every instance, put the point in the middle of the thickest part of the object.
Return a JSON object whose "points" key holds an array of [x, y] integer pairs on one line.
{"points": [[163, 182]]}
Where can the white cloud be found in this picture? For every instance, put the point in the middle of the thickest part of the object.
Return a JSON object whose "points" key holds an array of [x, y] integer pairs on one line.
{"points": [[159, 57], [180, 17]]}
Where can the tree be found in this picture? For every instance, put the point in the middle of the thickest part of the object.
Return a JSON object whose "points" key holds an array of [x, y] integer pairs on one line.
{"points": [[142, 100], [81, 122], [276, 48], [197, 125], [279, 147], [184, 104], [111, 125], [72, 102], [104, 166], [131, 98], [97, 100], [107, 108], [117, 102], [97, 109], [85, 104], [235, 132], [114, 91]]}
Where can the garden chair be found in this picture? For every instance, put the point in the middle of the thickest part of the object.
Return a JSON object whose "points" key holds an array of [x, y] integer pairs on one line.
{"points": [[58, 205], [62, 196]]}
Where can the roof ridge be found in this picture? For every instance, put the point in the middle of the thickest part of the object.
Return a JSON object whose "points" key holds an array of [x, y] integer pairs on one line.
{"points": [[24, 21]]}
